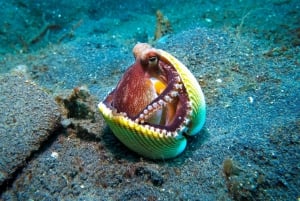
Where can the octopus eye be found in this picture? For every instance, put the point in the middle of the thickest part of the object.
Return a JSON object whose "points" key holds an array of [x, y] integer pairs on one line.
{"points": [[153, 60]]}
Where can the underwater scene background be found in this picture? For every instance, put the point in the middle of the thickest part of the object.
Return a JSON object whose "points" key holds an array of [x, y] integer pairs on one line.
{"points": [[59, 59]]}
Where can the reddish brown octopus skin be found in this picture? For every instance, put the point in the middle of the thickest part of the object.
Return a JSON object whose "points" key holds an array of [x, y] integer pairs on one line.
{"points": [[135, 91]]}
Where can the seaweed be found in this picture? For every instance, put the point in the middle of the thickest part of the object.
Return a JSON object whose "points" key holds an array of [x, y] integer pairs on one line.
{"points": [[163, 25]]}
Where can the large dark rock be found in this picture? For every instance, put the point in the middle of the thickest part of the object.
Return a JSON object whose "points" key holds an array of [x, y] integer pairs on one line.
{"points": [[28, 117]]}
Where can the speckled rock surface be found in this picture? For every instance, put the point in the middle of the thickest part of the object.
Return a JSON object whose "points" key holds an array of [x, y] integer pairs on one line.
{"points": [[28, 116]]}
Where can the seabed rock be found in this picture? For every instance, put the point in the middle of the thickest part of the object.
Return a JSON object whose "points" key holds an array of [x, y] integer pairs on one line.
{"points": [[28, 117]]}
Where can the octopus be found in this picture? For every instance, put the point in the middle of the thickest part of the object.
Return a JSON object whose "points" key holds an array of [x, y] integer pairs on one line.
{"points": [[156, 104]]}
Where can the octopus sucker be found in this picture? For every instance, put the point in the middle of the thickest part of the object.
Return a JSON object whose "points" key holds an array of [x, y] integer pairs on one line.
{"points": [[162, 101]]}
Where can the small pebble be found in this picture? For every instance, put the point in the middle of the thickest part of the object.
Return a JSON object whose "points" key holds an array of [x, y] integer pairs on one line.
{"points": [[219, 80], [250, 99], [66, 123], [54, 155]]}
